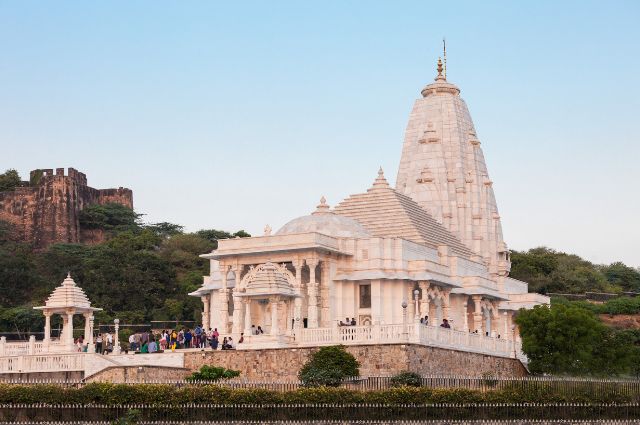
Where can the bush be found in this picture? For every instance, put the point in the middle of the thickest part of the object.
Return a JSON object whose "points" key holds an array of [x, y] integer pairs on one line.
{"points": [[212, 373], [328, 367], [173, 395], [406, 379]]}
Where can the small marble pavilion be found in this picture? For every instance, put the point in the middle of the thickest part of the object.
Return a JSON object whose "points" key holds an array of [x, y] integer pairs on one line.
{"points": [[67, 300], [386, 258]]}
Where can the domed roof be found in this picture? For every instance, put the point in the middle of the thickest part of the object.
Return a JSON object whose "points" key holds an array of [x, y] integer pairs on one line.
{"points": [[270, 279], [326, 222]]}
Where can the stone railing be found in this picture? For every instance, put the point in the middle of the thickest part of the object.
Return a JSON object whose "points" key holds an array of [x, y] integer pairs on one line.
{"points": [[42, 363], [432, 336], [31, 347]]}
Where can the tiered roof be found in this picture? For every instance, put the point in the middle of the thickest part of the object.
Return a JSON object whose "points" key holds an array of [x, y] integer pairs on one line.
{"points": [[384, 212], [68, 295]]}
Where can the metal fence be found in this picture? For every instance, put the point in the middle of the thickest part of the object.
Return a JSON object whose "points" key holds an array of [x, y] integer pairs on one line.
{"points": [[328, 412], [629, 389]]}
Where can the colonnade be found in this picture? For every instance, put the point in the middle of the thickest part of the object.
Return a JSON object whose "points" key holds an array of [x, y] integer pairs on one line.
{"points": [[308, 294]]}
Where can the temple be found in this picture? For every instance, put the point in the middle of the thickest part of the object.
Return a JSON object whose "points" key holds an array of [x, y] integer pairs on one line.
{"points": [[423, 262]]}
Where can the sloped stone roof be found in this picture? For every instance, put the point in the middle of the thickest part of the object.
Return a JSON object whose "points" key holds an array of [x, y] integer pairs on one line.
{"points": [[384, 212], [68, 295]]}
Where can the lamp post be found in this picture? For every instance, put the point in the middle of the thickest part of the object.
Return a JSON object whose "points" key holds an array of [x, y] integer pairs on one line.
{"points": [[416, 294], [116, 342], [404, 319]]}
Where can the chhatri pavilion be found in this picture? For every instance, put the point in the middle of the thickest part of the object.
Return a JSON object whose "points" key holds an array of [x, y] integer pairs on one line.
{"points": [[432, 246]]}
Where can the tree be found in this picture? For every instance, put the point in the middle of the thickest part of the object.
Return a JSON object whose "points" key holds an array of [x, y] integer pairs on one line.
{"points": [[9, 180], [213, 235], [212, 373], [109, 217], [567, 339], [622, 275], [547, 270], [329, 366]]}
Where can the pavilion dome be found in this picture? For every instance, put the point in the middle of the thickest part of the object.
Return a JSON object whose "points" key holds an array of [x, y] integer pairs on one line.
{"points": [[326, 222], [68, 295], [270, 279]]}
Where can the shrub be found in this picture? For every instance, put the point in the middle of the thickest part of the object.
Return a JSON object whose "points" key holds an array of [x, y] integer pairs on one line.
{"points": [[328, 367], [406, 379], [213, 373]]}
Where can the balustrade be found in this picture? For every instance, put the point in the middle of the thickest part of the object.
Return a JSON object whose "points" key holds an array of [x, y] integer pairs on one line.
{"points": [[434, 336]]}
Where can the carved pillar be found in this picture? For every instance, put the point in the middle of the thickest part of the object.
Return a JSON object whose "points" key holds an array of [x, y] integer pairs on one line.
{"points": [[297, 310], [237, 304], [424, 301], [87, 326], [477, 314], [69, 327], [445, 304], [91, 348], [274, 316], [47, 328], [205, 311], [325, 272], [247, 316], [465, 316], [224, 300], [236, 325], [312, 289], [505, 321]]}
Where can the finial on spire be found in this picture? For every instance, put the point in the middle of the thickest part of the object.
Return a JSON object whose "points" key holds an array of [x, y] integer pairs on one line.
{"points": [[380, 181], [267, 230], [69, 275], [323, 207]]}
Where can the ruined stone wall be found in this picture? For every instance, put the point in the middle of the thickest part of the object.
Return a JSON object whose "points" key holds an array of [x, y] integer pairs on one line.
{"points": [[375, 360], [48, 211]]}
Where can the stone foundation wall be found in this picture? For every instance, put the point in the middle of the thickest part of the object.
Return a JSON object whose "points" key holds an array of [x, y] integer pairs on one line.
{"points": [[375, 360], [139, 374], [42, 376]]}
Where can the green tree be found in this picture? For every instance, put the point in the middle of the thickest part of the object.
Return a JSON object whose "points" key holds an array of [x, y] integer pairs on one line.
{"points": [[568, 339], [213, 235], [9, 180], [622, 275], [329, 366], [110, 217]]}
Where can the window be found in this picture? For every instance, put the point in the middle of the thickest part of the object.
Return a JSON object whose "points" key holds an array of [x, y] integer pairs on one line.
{"points": [[365, 296]]}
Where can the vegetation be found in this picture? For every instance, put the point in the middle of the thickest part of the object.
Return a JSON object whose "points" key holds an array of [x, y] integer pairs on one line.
{"points": [[9, 180], [406, 379], [212, 374], [547, 270], [569, 339], [329, 366], [142, 272], [168, 395]]}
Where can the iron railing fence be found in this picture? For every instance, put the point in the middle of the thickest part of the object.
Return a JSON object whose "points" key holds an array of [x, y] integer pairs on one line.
{"points": [[598, 389], [327, 412]]}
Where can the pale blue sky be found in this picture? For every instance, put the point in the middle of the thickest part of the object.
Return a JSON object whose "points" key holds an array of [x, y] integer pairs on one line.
{"points": [[235, 116]]}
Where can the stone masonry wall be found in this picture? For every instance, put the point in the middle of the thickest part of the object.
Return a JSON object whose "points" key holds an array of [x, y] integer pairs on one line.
{"points": [[48, 211], [139, 374], [376, 360]]}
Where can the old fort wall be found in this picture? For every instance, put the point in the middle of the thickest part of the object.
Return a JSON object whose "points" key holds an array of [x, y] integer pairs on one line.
{"points": [[47, 210]]}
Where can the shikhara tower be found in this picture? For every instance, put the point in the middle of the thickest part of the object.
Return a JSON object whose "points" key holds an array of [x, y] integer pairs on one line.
{"points": [[443, 169]]}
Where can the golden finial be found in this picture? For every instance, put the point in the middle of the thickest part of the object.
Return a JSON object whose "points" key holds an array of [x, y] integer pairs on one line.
{"points": [[439, 67]]}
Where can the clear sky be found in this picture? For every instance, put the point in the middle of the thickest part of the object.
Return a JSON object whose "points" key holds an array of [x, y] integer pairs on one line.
{"points": [[237, 114]]}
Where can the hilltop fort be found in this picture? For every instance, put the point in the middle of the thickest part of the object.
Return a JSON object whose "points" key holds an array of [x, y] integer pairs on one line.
{"points": [[46, 209]]}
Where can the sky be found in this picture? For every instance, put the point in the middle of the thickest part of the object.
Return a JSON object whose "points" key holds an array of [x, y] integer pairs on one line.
{"points": [[234, 115]]}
